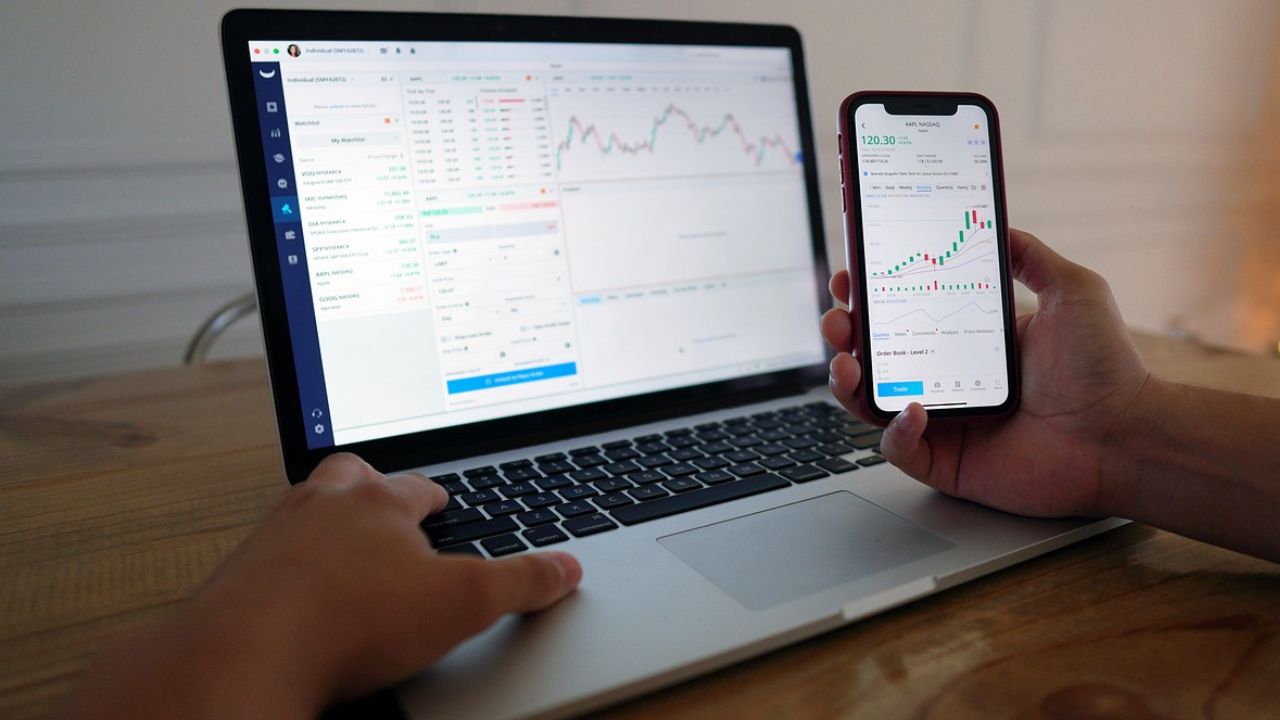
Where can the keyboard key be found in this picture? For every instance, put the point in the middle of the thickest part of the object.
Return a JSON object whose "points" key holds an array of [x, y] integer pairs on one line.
{"points": [[555, 467], [613, 500], [771, 449], [463, 549], [741, 456], [654, 437], [649, 448], [647, 492], [515, 464], [663, 507], [521, 474], [478, 471], [799, 443], [680, 485], [479, 497], [803, 473], [541, 500], [453, 517], [867, 440], [857, 427], [714, 477], [715, 448], [734, 421], [685, 441], [836, 465], [711, 463], [589, 450], [653, 461], [503, 507], [770, 430], [705, 427], [455, 487], [453, 504], [443, 535], [869, 461], [616, 444], [583, 476], [713, 435], [626, 453], [621, 468], [684, 455], [745, 442], [589, 525], [555, 481], [541, 516], [739, 430], [578, 492], [806, 456], [612, 484], [678, 432], [777, 463], [549, 457], [679, 470], [515, 490], [645, 477], [575, 508], [543, 536], [503, 545], [589, 461], [835, 448], [746, 469], [445, 478], [484, 482]]}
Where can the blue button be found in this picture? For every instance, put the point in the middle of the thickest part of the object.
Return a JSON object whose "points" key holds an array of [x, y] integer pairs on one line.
{"points": [[897, 389], [512, 377], [284, 208]]}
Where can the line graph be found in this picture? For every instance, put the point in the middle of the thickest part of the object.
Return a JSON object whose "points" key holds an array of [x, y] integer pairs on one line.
{"points": [[754, 149], [924, 313], [626, 136]]}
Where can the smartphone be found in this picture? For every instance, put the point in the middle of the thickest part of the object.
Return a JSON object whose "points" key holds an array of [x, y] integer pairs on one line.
{"points": [[928, 252]]}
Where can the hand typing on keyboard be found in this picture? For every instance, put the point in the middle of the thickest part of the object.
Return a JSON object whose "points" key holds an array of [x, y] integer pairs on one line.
{"points": [[336, 594], [1096, 432]]}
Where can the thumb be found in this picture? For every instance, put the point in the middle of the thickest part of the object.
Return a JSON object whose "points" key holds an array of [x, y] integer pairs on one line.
{"points": [[525, 584], [903, 443]]}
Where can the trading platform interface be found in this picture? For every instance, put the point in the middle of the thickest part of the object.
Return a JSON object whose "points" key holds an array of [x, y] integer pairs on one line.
{"points": [[932, 267], [475, 230]]}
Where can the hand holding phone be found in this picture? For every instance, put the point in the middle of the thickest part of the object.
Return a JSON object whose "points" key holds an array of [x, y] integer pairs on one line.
{"points": [[927, 245]]}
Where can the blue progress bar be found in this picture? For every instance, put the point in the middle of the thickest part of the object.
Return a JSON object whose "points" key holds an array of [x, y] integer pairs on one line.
{"points": [[512, 377], [896, 389]]}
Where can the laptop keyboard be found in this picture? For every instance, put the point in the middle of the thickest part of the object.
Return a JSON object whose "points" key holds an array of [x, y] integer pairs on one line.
{"points": [[544, 500]]}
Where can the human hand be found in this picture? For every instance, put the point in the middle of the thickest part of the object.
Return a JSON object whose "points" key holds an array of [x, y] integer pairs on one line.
{"points": [[337, 593], [1080, 375]]}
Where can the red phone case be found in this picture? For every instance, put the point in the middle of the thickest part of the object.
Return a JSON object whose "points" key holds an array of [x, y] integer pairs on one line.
{"points": [[851, 208]]}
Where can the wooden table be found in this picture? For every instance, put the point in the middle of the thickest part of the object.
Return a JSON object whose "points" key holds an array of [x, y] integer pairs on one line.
{"points": [[119, 495]]}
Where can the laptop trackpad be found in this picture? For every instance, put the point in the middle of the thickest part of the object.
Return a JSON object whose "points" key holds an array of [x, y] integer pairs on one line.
{"points": [[770, 557]]}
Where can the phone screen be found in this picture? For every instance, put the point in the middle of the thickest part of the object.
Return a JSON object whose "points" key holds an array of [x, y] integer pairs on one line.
{"points": [[931, 258]]}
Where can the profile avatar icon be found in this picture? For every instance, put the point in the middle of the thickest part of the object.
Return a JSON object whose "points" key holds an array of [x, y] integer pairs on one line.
{"points": [[294, 51]]}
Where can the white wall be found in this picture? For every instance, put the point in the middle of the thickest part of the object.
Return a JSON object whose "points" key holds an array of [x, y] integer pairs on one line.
{"points": [[1134, 129]]}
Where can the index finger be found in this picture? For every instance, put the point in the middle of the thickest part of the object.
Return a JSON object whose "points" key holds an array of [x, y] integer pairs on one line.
{"points": [[424, 496], [839, 286]]}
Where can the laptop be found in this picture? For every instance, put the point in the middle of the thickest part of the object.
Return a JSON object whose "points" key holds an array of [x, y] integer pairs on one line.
{"points": [[572, 269]]}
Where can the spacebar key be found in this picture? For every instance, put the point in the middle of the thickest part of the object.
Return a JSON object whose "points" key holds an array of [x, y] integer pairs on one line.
{"points": [[442, 535], [654, 509]]}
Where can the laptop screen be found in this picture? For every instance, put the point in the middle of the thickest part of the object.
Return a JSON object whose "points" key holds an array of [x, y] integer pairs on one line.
{"points": [[476, 230]]}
